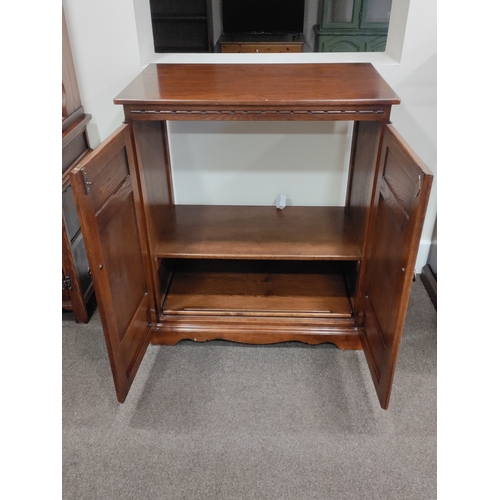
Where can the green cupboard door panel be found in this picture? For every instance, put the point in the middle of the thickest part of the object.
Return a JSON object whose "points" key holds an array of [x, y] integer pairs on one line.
{"points": [[376, 14], [352, 43], [342, 44], [377, 44], [340, 14]]}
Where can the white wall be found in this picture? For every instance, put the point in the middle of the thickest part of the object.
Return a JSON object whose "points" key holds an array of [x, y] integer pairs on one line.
{"points": [[415, 81], [106, 53], [221, 162]]}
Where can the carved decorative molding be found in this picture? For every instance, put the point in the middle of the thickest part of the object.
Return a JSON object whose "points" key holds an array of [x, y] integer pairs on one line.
{"points": [[258, 112]]}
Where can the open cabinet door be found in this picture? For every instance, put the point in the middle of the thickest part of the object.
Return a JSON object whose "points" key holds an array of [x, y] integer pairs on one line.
{"points": [[403, 189], [103, 189]]}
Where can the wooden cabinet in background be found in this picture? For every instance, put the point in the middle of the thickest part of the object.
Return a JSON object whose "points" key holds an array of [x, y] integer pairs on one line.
{"points": [[429, 272], [182, 25], [253, 274], [261, 43], [76, 282]]}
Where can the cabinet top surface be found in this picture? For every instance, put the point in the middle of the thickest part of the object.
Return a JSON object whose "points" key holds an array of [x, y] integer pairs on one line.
{"points": [[264, 85]]}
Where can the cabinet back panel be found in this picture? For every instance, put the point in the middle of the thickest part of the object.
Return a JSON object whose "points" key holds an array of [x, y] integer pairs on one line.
{"points": [[250, 163]]}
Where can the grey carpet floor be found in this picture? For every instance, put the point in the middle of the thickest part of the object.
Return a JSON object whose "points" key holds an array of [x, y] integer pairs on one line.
{"points": [[227, 421]]}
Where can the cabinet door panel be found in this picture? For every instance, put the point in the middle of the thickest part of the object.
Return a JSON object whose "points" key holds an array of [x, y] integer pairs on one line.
{"points": [[403, 189], [341, 14], [103, 189], [73, 267]]}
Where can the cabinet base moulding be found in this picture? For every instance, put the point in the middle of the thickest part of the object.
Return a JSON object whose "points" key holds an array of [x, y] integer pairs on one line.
{"points": [[345, 336]]}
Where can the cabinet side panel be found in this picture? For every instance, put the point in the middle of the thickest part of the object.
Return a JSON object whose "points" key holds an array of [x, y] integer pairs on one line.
{"points": [[153, 159], [73, 298], [154, 171], [365, 148], [362, 173]]}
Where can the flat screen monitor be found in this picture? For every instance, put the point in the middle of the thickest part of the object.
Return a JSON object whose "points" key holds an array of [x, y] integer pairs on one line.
{"points": [[262, 16]]}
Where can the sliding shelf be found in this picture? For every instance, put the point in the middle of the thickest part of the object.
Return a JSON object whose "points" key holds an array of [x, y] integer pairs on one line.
{"points": [[258, 232], [258, 288], [258, 302]]}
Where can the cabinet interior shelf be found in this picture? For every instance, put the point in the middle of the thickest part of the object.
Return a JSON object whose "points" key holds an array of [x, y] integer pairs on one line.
{"points": [[258, 232]]}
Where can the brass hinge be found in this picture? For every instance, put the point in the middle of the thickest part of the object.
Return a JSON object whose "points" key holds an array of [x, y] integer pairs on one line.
{"points": [[66, 283], [86, 182]]}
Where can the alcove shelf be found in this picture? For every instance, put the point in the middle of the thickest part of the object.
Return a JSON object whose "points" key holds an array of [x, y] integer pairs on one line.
{"points": [[258, 232]]}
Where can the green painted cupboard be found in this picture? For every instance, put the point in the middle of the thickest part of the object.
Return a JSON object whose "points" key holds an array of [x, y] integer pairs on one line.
{"points": [[352, 25]]}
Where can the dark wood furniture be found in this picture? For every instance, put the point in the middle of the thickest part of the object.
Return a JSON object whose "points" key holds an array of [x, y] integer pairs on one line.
{"points": [[165, 272], [77, 286], [182, 25], [429, 271], [261, 43]]}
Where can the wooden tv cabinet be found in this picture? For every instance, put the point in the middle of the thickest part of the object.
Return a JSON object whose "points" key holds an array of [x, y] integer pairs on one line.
{"points": [[164, 272], [261, 43]]}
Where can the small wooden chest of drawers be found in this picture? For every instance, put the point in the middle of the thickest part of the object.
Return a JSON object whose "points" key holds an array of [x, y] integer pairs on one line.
{"points": [[261, 43]]}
